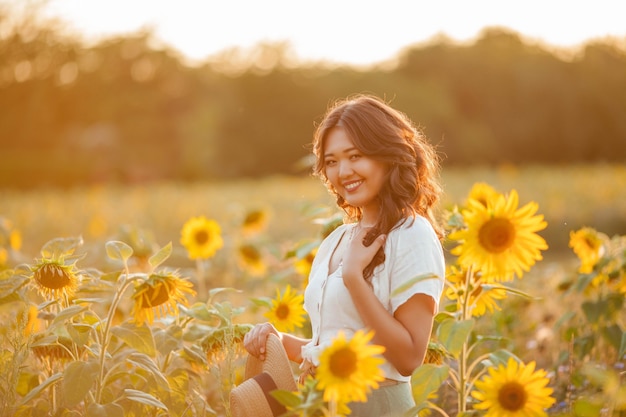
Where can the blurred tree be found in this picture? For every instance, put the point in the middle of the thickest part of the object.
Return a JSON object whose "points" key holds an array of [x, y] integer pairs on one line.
{"points": [[123, 110]]}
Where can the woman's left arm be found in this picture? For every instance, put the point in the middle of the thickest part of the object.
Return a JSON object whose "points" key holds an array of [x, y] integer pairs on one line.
{"points": [[405, 334]]}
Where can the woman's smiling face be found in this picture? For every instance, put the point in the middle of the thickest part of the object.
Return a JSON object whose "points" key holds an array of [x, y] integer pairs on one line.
{"points": [[356, 177]]}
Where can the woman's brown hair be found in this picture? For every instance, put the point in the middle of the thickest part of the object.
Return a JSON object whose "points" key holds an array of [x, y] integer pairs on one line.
{"points": [[389, 136]]}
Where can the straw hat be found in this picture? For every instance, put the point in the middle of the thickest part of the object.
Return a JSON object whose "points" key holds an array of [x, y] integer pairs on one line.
{"points": [[252, 397]]}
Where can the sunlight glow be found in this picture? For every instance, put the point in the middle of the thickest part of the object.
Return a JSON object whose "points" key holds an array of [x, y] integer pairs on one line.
{"points": [[358, 32]]}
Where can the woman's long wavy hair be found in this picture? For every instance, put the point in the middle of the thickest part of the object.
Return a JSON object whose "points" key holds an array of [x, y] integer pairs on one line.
{"points": [[389, 136]]}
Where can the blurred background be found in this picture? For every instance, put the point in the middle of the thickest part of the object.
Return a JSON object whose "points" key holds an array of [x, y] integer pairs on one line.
{"points": [[127, 107], [97, 93]]}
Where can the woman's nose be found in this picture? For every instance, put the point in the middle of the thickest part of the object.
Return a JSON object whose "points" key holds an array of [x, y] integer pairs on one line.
{"points": [[345, 169]]}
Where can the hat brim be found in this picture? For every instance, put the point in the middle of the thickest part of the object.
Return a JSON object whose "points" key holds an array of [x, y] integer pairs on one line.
{"points": [[276, 364], [252, 398], [249, 400]]}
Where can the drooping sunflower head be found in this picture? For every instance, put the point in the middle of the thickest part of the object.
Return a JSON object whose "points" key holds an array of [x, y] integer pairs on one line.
{"points": [[287, 311], [255, 221], [349, 369], [499, 239], [58, 349], [201, 237], [159, 295], [435, 353], [514, 390], [251, 260], [218, 341], [54, 278], [588, 245]]}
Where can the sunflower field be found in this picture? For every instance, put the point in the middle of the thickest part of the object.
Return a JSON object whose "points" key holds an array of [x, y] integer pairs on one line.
{"points": [[133, 300]]}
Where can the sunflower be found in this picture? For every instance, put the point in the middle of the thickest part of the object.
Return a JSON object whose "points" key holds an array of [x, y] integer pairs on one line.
{"points": [[159, 294], [58, 350], [481, 298], [588, 245], [287, 311], [482, 193], [254, 222], [303, 265], [55, 278], [513, 390], [201, 237], [435, 353], [500, 239], [349, 369], [251, 260]]}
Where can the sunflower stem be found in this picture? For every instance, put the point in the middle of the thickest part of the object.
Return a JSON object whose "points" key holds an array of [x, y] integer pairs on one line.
{"points": [[463, 368], [200, 271], [105, 337], [440, 410], [473, 365]]}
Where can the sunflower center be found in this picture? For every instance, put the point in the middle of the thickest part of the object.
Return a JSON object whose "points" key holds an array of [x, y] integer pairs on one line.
{"points": [[53, 277], [250, 253], [475, 292], [201, 237], [282, 311], [343, 363], [154, 296], [497, 235], [253, 218], [512, 396]]}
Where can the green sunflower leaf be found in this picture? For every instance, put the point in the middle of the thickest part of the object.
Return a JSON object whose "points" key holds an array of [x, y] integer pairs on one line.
{"points": [[41, 387], [118, 251], [453, 334], [105, 410], [427, 379], [143, 398], [137, 337], [161, 255], [78, 379]]}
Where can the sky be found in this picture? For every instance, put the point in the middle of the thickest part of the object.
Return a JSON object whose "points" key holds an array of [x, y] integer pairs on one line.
{"points": [[356, 32]]}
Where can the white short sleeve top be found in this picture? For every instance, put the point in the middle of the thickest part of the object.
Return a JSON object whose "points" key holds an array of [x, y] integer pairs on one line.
{"points": [[411, 250]]}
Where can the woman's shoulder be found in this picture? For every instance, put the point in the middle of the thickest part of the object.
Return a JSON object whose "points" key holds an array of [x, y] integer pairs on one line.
{"points": [[414, 226]]}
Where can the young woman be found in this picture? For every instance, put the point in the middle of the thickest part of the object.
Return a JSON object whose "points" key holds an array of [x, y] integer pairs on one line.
{"points": [[384, 175]]}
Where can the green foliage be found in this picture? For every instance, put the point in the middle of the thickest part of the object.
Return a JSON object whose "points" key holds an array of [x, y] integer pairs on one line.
{"points": [[594, 333], [88, 358]]}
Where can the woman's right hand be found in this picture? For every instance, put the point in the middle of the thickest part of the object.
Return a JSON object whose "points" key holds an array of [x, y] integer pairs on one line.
{"points": [[254, 341]]}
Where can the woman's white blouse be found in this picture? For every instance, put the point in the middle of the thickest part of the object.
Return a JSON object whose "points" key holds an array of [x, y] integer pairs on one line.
{"points": [[411, 250]]}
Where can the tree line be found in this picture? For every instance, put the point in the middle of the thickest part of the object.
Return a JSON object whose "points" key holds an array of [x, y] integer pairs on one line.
{"points": [[125, 110]]}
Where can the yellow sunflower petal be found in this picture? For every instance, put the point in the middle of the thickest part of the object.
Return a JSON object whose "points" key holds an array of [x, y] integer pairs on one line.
{"points": [[513, 390], [349, 369], [500, 240], [287, 311], [201, 237], [159, 296]]}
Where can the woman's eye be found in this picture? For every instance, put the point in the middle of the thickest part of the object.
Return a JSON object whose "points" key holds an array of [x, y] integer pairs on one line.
{"points": [[329, 162], [355, 156]]}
